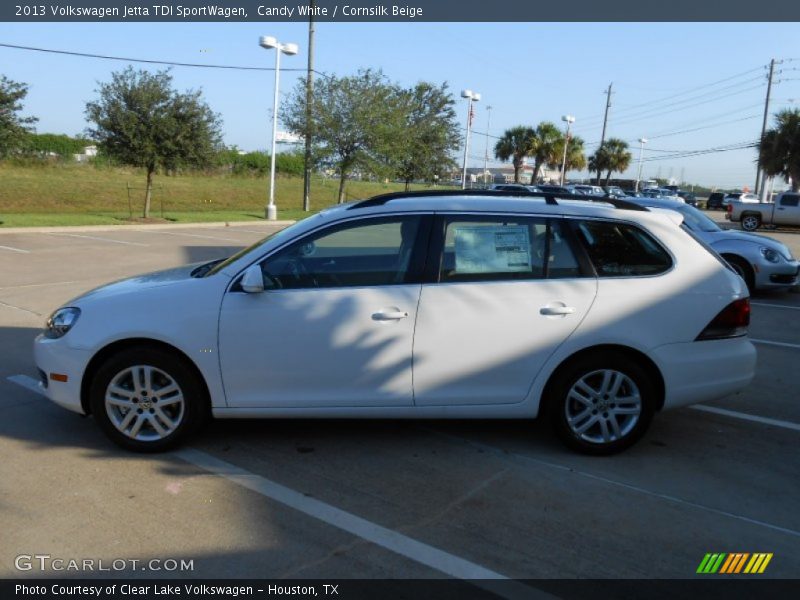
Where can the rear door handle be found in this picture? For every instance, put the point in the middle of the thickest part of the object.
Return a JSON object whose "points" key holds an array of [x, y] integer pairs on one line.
{"points": [[556, 310], [394, 315]]}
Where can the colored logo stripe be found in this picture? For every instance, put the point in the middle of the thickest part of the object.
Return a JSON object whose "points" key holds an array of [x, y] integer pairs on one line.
{"points": [[728, 564], [711, 563], [758, 563]]}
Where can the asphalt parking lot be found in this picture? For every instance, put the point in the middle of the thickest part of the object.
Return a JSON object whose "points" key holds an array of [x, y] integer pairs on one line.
{"points": [[341, 499]]}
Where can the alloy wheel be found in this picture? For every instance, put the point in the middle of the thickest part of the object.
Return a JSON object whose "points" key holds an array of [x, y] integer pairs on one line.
{"points": [[603, 406], [144, 403]]}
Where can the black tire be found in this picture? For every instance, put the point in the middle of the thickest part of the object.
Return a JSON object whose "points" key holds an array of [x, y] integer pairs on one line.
{"points": [[743, 268], [194, 406], [750, 222], [587, 368]]}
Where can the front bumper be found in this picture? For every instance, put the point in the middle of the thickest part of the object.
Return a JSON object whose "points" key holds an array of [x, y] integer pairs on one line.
{"points": [[777, 275], [704, 371], [57, 357]]}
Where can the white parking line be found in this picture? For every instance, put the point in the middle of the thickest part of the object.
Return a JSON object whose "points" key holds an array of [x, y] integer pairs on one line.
{"points": [[771, 343], [31, 285], [25, 310], [774, 305], [10, 249], [398, 543], [747, 417], [99, 239], [195, 235], [442, 561], [28, 383]]}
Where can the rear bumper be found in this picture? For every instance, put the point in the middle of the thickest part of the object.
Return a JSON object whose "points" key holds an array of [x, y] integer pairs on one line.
{"points": [[55, 356], [704, 371]]}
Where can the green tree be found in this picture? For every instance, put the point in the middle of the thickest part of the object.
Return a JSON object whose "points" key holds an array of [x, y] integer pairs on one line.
{"points": [[515, 144], [779, 149], [545, 142], [355, 120], [612, 156], [140, 120], [576, 158], [429, 133], [14, 128]]}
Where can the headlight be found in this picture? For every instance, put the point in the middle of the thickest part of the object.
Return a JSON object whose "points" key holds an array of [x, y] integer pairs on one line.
{"points": [[770, 254], [61, 321]]}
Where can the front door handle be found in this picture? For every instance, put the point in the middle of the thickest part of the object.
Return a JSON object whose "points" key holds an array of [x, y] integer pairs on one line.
{"points": [[393, 315], [556, 310]]}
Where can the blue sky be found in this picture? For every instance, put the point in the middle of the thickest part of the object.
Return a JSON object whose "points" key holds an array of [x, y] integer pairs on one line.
{"points": [[527, 72]]}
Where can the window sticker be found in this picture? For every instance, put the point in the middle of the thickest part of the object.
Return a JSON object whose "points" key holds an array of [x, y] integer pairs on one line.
{"points": [[494, 249]]}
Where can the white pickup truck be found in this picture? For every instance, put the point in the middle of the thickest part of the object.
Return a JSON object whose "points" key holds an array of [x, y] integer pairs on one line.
{"points": [[784, 211]]}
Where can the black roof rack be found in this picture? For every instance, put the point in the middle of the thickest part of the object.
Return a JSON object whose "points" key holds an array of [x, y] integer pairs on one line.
{"points": [[550, 198]]}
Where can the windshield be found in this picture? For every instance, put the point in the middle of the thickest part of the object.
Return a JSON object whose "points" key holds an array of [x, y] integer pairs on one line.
{"points": [[231, 259], [696, 220]]}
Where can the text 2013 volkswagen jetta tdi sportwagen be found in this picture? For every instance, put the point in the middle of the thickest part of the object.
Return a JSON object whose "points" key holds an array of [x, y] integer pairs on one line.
{"points": [[416, 306]]}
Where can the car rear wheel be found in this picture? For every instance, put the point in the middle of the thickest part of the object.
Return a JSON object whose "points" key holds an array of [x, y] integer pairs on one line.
{"points": [[602, 405], [751, 222], [146, 399]]}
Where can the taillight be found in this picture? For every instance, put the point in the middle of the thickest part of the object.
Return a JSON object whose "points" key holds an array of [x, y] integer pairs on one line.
{"points": [[732, 321], [730, 208]]}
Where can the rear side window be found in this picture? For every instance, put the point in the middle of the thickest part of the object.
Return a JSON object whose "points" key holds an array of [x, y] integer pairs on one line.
{"points": [[622, 250], [505, 248]]}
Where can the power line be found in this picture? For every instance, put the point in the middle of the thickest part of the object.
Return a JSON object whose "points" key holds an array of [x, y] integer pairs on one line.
{"points": [[689, 91], [152, 62]]}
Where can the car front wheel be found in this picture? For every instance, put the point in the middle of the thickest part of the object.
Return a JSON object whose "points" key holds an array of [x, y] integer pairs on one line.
{"points": [[146, 399], [602, 405]]}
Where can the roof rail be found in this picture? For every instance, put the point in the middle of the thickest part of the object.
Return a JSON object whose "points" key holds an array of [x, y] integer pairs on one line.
{"points": [[550, 198]]}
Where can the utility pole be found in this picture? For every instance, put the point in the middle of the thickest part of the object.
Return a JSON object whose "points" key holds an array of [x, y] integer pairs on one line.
{"points": [[486, 147], [605, 123], [764, 123], [309, 112]]}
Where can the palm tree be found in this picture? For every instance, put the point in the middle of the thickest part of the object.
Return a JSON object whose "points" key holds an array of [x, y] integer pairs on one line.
{"points": [[544, 146], [515, 144], [612, 156], [576, 159], [779, 149]]}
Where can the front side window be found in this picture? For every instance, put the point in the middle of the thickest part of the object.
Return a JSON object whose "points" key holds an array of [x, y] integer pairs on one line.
{"points": [[622, 250], [505, 248], [369, 252]]}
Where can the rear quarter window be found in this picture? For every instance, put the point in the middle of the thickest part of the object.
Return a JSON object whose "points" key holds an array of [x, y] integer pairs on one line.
{"points": [[622, 250]]}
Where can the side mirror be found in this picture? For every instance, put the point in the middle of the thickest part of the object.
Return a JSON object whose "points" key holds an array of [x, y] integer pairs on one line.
{"points": [[253, 280]]}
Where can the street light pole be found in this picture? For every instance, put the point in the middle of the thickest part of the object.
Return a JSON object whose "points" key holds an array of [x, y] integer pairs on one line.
{"points": [[268, 42], [642, 142], [471, 97], [569, 120], [486, 147]]}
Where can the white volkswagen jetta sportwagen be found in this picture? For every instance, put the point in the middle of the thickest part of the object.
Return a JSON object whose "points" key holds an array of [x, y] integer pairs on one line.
{"points": [[432, 305]]}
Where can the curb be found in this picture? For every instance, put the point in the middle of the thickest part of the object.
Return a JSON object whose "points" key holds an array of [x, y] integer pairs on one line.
{"points": [[139, 227]]}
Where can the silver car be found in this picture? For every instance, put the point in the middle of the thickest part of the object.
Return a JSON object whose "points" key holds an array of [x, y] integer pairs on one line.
{"points": [[762, 262]]}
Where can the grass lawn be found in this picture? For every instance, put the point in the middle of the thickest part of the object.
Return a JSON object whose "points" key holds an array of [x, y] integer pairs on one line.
{"points": [[75, 194]]}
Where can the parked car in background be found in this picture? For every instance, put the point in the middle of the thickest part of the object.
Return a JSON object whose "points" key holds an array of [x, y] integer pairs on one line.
{"points": [[418, 305], [740, 197], [714, 201], [553, 189], [615, 191], [762, 262], [784, 211], [587, 190], [510, 187], [687, 197], [660, 193]]}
